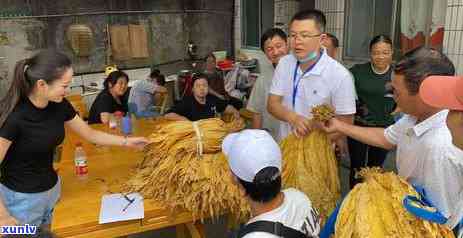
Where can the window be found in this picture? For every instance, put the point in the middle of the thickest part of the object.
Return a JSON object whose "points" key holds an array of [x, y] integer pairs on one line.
{"points": [[366, 19], [256, 18]]}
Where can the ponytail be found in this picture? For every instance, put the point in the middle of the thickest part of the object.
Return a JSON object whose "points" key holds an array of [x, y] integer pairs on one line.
{"points": [[47, 65], [19, 87]]}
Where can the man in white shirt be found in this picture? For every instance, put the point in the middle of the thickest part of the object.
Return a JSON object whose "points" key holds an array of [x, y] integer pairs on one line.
{"points": [[447, 92], [309, 77], [426, 156], [255, 162], [273, 44]]}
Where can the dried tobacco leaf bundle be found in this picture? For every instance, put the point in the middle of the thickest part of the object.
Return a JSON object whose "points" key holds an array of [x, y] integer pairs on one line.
{"points": [[185, 169], [309, 164], [374, 208]]}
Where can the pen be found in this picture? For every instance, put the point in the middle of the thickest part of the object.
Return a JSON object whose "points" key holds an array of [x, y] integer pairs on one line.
{"points": [[130, 201]]}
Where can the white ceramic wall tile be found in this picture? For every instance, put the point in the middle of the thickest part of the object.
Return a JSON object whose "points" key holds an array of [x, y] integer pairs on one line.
{"points": [[451, 42], [456, 42], [341, 20], [454, 18], [335, 20], [452, 13], [445, 43], [448, 19], [341, 36], [459, 22], [451, 57], [321, 4], [341, 6], [460, 63], [457, 61], [455, 37], [459, 44]]}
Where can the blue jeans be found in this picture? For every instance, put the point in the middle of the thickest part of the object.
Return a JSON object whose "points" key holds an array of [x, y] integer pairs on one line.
{"points": [[31, 208], [458, 230]]}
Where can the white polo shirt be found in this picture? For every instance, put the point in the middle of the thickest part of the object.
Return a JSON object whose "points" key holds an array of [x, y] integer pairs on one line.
{"points": [[258, 100], [427, 157], [328, 82]]}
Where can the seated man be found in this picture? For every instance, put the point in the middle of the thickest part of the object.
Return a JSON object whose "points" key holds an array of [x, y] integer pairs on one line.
{"points": [[200, 105], [255, 162], [143, 94]]}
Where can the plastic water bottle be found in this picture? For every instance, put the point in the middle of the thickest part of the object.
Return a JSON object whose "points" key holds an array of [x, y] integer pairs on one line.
{"points": [[118, 117], [126, 125], [112, 122], [80, 160]]}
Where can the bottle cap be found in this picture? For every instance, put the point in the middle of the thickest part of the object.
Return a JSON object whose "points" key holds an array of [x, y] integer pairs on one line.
{"points": [[118, 113]]}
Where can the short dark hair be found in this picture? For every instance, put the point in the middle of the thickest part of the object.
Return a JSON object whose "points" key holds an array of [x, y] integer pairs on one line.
{"points": [[160, 79], [197, 76], [266, 185], [113, 77], [269, 34], [311, 14], [380, 38], [154, 73], [334, 39], [420, 63]]}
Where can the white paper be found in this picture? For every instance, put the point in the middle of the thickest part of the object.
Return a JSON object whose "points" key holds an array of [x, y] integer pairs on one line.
{"points": [[112, 206]]}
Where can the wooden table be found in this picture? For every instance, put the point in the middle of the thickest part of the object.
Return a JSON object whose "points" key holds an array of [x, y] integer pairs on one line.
{"points": [[77, 212]]}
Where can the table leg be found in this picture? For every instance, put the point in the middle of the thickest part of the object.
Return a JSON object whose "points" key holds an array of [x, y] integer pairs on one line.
{"points": [[196, 230], [180, 231], [201, 229]]}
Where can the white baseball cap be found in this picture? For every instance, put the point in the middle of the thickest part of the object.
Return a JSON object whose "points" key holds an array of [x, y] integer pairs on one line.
{"points": [[249, 151]]}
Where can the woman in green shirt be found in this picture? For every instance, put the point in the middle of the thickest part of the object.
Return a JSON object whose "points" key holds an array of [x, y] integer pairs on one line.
{"points": [[374, 104]]}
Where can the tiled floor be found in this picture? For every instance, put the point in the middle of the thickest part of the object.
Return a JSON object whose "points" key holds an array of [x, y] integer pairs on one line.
{"points": [[217, 229]]}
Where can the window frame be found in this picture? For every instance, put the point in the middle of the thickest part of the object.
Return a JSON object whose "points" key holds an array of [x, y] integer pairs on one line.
{"points": [[393, 29], [260, 23]]}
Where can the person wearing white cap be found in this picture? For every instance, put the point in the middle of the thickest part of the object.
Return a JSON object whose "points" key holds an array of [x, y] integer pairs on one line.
{"points": [[255, 162]]}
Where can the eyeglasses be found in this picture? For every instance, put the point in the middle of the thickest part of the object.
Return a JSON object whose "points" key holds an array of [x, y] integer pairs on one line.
{"points": [[303, 36], [378, 53]]}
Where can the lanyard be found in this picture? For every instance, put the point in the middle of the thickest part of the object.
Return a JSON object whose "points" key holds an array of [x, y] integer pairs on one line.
{"points": [[297, 81]]}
